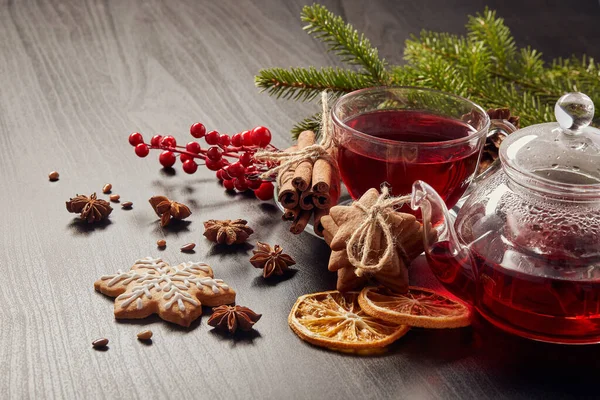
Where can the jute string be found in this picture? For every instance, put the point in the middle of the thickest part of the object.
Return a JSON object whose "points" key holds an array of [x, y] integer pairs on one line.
{"points": [[361, 240], [289, 160]]}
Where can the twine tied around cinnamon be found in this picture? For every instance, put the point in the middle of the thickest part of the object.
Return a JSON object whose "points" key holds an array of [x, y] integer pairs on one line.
{"points": [[289, 160], [358, 246]]}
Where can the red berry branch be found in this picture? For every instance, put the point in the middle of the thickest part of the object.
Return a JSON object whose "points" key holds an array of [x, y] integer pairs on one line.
{"points": [[241, 173]]}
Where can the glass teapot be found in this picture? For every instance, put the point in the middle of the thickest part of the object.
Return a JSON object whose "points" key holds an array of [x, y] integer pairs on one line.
{"points": [[525, 247]]}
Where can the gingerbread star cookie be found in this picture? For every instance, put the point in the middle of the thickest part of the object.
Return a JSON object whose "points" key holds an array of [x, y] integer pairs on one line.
{"points": [[176, 294], [407, 235]]}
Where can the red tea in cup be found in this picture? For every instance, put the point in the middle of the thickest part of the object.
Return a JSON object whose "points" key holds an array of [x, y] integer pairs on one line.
{"points": [[448, 169]]}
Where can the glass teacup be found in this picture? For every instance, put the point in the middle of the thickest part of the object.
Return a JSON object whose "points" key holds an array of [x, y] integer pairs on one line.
{"points": [[403, 134]]}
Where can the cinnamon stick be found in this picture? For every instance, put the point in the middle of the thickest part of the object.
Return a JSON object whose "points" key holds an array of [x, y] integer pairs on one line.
{"points": [[306, 200], [300, 222], [288, 195], [329, 199], [317, 225], [324, 176], [290, 214], [303, 172]]}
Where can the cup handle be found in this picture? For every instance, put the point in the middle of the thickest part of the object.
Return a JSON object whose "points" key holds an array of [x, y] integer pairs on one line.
{"points": [[499, 127]]}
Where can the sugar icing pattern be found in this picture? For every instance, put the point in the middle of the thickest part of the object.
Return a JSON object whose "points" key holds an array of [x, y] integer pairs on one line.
{"points": [[153, 276]]}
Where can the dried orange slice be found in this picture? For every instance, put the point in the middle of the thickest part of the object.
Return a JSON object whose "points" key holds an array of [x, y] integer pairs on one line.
{"points": [[335, 320], [419, 307]]}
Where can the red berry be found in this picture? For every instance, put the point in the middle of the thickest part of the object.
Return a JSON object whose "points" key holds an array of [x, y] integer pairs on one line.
{"points": [[236, 140], [265, 191], [225, 174], [254, 183], [142, 150], [185, 157], [228, 183], [246, 159], [168, 141], [220, 175], [190, 166], [167, 158], [240, 184], [261, 136], [251, 170], [136, 138], [247, 138], [214, 153], [224, 140], [212, 137], [155, 141], [213, 165], [236, 169], [193, 147], [197, 130]]}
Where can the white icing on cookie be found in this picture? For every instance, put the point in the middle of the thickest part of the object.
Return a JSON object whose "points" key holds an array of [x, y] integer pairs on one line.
{"points": [[179, 297], [214, 284], [149, 262], [160, 277]]}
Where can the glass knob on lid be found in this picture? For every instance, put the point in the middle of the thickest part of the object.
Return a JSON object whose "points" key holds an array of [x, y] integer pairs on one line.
{"points": [[558, 158], [574, 111]]}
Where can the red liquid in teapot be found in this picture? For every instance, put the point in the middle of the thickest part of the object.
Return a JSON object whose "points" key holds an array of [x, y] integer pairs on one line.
{"points": [[448, 170], [559, 305]]}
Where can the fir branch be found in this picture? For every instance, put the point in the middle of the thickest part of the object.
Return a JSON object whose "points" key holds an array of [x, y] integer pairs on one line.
{"points": [[304, 84], [530, 64], [491, 30], [485, 66], [574, 74], [438, 73], [345, 41], [312, 123], [532, 109]]}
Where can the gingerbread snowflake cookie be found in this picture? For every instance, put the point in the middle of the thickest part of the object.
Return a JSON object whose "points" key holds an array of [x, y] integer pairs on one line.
{"points": [[176, 294]]}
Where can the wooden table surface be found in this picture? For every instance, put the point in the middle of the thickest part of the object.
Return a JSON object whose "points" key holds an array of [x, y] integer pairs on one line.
{"points": [[76, 77]]}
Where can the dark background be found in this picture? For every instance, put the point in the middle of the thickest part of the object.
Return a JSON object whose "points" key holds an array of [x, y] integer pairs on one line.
{"points": [[76, 77]]}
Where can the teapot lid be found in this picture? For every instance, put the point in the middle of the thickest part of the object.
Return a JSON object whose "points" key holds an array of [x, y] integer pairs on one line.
{"points": [[557, 157]]}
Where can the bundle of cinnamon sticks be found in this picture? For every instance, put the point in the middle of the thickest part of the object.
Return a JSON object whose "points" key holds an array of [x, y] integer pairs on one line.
{"points": [[308, 189]]}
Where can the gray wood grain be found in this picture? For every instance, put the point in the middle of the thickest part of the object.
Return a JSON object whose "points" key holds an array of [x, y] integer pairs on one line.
{"points": [[76, 77]]}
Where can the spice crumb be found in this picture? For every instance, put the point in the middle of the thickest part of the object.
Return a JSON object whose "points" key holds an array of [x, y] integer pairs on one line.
{"points": [[106, 188], [161, 242], [53, 176], [127, 205], [145, 335], [114, 197], [100, 343], [188, 247]]}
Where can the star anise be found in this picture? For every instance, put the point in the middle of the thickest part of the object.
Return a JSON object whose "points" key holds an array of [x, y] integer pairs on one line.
{"points": [[167, 209], [231, 318], [227, 231], [271, 259], [91, 208]]}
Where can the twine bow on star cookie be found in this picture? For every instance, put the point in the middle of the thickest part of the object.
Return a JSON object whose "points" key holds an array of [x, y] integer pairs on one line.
{"points": [[288, 160], [376, 220]]}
